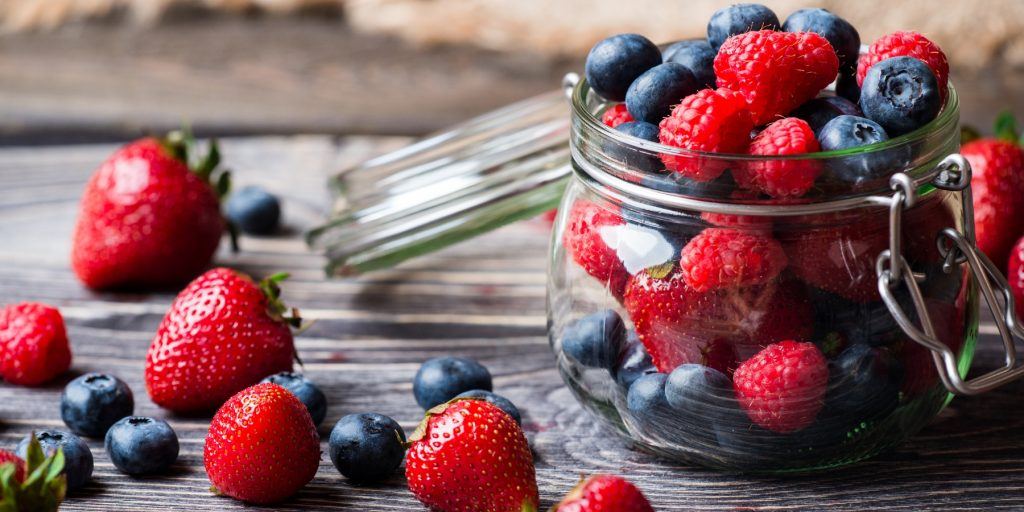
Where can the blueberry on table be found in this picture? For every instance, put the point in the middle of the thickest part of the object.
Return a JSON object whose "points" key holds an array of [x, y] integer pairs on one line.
{"points": [[442, 378], [495, 399], [843, 37], [91, 403], [78, 461], [652, 95], [635, 158], [614, 63], [698, 389], [596, 339], [307, 392], [138, 445], [254, 210], [697, 56], [901, 94], [847, 132], [367, 447], [633, 363], [819, 111], [737, 19]]}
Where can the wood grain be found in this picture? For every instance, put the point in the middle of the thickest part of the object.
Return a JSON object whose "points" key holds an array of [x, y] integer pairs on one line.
{"points": [[475, 300]]}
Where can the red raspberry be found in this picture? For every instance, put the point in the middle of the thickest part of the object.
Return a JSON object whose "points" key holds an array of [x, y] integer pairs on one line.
{"points": [[910, 44], [616, 115], [725, 258], [1015, 275], [711, 121], [582, 238], [789, 136], [776, 71], [33, 344], [782, 388], [746, 222]]}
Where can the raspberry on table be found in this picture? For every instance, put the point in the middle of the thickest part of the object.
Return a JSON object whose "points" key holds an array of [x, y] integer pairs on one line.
{"points": [[724, 258], [910, 44], [615, 115], [710, 120], [789, 136], [782, 388]]}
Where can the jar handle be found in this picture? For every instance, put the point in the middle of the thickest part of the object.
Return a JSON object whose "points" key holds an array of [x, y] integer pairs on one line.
{"points": [[952, 173]]}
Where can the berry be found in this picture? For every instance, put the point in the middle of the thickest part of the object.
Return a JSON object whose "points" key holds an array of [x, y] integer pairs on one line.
{"points": [[900, 94], [262, 446], [442, 378], [147, 219], [7, 457], [646, 397], [304, 389], [909, 44], [819, 111], [583, 238], [367, 447], [653, 94], [223, 333], [469, 455], [847, 86], [845, 39], [604, 493], [46, 475], [712, 121], [634, 362], [782, 387], [93, 402], [1015, 275], [776, 71], [634, 158], [997, 179], [697, 56], [78, 462], [254, 210], [864, 384], [789, 136], [139, 445], [641, 243], [737, 19], [33, 344], [846, 132], [698, 390], [616, 115], [495, 399], [614, 63], [723, 258], [839, 321], [596, 339]]}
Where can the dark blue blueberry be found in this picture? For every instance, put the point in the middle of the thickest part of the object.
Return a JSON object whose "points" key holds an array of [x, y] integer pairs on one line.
{"points": [[697, 56], [646, 397], [442, 378], [497, 400], [840, 33], [847, 132], [92, 403], [367, 447], [676, 183], [901, 94], [254, 210], [846, 86], [737, 19], [77, 456], [819, 111], [138, 445], [614, 63], [636, 158], [596, 339], [634, 362], [698, 389], [653, 94], [307, 392], [839, 321], [864, 384]]}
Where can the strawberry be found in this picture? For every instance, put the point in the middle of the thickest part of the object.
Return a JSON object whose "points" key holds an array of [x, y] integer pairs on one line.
{"points": [[723, 258], [909, 44], [788, 136], [262, 446], [147, 219], [7, 457], [782, 388], [710, 121], [616, 115], [467, 456], [775, 71], [1015, 275], [997, 180], [604, 493], [33, 344], [223, 333], [583, 238]]}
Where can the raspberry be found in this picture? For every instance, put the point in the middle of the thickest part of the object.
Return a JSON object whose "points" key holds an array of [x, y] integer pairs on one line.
{"points": [[789, 136], [776, 71], [731, 220], [711, 120], [616, 115], [782, 388], [725, 258], [910, 44], [588, 249]]}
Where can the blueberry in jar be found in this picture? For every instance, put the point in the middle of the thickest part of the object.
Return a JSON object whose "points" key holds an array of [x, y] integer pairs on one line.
{"points": [[847, 87], [305, 390], [614, 63], [737, 19], [901, 94], [367, 447], [138, 445], [254, 210], [697, 56], [442, 378], [631, 157], [652, 95], [819, 111], [847, 132], [864, 384], [596, 339], [634, 362], [843, 37], [78, 461], [495, 399], [93, 402]]}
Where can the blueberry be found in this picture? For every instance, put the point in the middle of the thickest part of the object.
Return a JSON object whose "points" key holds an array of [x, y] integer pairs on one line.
{"points": [[614, 63], [676, 183], [307, 392], [634, 362], [497, 400], [864, 384], [254, 210], [820, 111], [77, 456], [854, 322], [635, 158], [698, 389], [138, 445], [367, 447], [697, 56], [840, 33], [442, 378], [737, 19], [653, 94], [646, 397], [92, 403], [846, 132], [901, 94], [596, 339], [846, 86]]}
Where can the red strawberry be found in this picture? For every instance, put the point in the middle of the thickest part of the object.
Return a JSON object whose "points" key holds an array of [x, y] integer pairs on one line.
{"points": [[711, 121], [789, 136], [998, 182], [7, 457], [724, 258], [33, 344], [222, 334], [782, 388], [909, 44], [35, 483], [147, 219], [616, 115], [775, 71], [467, 456], [262, 446], [604, 493], [583, 239], [1015, 275]]}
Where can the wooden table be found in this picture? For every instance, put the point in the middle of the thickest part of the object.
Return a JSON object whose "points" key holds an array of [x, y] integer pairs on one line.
{"points": [[476, 300]]}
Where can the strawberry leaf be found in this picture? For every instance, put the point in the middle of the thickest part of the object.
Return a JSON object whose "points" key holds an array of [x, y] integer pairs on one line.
{"points": [[44, 486], [1006, 127]]}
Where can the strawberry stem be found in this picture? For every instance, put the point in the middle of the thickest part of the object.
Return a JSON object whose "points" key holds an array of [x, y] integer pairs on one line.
{"points": [[1006, 127], [275, 306]]}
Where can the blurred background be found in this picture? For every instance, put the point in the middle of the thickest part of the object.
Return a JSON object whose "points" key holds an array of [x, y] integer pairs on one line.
{"points": [[89, 70]]}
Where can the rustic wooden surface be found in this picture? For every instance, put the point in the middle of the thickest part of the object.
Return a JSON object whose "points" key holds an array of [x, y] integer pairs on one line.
{"points": [[477, 300]]}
